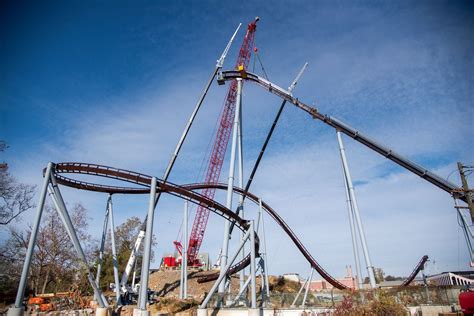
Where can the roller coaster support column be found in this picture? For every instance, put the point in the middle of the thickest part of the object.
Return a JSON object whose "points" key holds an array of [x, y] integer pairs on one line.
{"points": [[263, 254], [185, 247], [370, 268], [202, 310], [184, 258], [465, 186], [253, 283], [230, 184], [466, 229], [244, 288], [219, 64], [143, 296], [102, 246], [241, 185], [425, 283], [301, 289], [114, 251], [307, 288], [18, 308], [64, 215], [355, 245]]}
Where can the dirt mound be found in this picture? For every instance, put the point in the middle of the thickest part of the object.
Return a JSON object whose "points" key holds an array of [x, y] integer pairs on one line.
{"points": [[166, 284]]}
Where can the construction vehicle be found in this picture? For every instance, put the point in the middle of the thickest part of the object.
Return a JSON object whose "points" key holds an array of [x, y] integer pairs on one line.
{"points": [[217, 156]]}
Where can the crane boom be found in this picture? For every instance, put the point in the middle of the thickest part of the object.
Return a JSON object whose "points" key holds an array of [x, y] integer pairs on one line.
{"points": [[220, 146], [133, 256]]}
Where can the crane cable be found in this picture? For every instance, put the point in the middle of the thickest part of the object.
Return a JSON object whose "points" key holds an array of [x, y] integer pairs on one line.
{"points": [[255, 49]]}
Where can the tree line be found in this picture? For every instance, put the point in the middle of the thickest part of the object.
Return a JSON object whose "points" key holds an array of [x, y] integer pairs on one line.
{"points": [[55, 266]]}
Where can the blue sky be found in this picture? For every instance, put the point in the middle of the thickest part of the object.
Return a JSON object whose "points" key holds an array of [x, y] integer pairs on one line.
{"points": [[114, 83]]}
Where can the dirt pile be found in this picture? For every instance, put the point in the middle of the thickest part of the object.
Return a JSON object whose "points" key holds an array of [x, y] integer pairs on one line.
{"points": [[166, 284]]}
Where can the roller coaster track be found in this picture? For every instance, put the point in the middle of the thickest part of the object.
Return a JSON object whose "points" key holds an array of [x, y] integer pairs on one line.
{"points": [[429, 176], [417, 269], [185, 192]]}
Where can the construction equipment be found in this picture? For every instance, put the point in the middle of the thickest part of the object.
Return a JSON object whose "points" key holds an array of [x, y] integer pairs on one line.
{"points": [[216, 159], [133, 256]]}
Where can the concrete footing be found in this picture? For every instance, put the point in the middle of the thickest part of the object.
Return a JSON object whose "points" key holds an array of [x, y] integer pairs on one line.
{"points": [[103, 311], [139, 312], [255, 311], [202, 312], [16, 311]]}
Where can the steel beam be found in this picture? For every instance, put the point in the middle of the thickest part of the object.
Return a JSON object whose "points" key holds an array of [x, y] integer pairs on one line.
{"points": [[307, 288], [102, 245], [253, 282], [355, 244], [184, 258], [226, 269], [240, 208], [230, 183], [264, 250], [143, 297], [31, 243], [219, 65], [64, 215], [301, 289], [114, 251], [365, 249]]}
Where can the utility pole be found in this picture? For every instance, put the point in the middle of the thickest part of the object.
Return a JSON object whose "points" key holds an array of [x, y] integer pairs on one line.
{"points": [[465, 187]]}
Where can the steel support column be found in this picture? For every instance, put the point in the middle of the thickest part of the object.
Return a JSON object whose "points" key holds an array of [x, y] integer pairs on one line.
{"points": [[114, 251], [31, 243], [355, 244], [64, 215], [226, 268], [264, 250], [253, 282], [466, 230], [241, 185], [365, 249], [185, 249], [307, 288], [143, 296], [102, 245], [230, 183], [218, 67], [184, 258], [301, 289]]}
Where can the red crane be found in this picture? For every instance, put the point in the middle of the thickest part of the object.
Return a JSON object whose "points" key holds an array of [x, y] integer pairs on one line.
{"points": [[219, 149]]}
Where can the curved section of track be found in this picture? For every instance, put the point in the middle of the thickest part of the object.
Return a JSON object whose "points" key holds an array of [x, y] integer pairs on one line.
{"points": [[186, 192], [137, 178], [417, 269], [277, 218]]}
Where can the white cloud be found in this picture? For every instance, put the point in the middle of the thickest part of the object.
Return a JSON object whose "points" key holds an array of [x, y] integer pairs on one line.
{"points": [[398, 90]]}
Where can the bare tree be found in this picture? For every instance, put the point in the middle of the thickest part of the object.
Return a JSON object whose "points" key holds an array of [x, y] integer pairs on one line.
{"points": [[54, 266], [15, 197]]}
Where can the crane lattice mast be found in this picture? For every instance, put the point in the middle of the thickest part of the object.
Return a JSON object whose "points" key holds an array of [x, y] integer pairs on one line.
{"points": [[216, 159]]}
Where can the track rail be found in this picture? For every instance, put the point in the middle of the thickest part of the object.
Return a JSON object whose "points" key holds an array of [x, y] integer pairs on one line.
{"points": [[286, 228], [418, 268], [349, 131], [140, 179], [187, 192]]}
